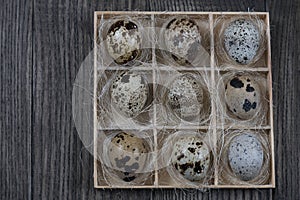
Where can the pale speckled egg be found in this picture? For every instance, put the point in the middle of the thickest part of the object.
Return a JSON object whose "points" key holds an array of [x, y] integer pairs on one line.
{"points": [[243, 97], [123, 41], [128, 155], [191, 157], [245, 156], [129, 92], [182, 39], [242, 40], [185, 97]]}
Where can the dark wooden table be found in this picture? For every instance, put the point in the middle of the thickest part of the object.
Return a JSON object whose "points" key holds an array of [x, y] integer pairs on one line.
{"points": [[42, 45]]}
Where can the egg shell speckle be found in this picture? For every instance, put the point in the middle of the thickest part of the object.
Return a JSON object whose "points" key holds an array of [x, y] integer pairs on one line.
{"points": [[191, 157], [123, 41], [128, 154], [245, 156], [185, 97], [243, 97], [129, 92], [242, 40], [182, 38]]}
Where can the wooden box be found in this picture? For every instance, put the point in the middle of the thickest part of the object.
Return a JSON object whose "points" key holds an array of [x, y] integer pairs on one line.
{"points": [[160, 178]]}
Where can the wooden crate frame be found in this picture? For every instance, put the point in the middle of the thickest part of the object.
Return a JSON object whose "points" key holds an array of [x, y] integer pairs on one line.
{"points": [[267, 69]]}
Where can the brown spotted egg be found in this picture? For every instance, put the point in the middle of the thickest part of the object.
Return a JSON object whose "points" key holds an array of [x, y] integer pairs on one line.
{"points": [[191, 157], [123, 41], [128, 155], [243, 97], [185, 97], [182, 38], [129, 92]]}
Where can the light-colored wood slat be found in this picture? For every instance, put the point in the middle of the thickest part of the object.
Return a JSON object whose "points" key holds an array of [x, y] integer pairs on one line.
{"points": [[234, 127], [126, 187], [183, 127], [270, 90], [175, 13], [94, 99], [253, 69], [213, 106], [118, 68], [185, 187], [154, 107], [182, 68]]}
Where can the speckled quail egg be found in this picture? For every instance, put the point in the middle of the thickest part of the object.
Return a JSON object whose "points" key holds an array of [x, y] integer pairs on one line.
{"points": [[182, 38], [129, 92], [185, 97], [245, 156], [123, 41], [242, 40], [243, 97], [128, 155], [191, 157]]}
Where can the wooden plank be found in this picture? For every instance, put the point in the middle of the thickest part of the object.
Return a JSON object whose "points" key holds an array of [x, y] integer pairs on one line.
{"points": [[62, 38], [285, 67], [296, 165], [15, 97], [174, 5]]}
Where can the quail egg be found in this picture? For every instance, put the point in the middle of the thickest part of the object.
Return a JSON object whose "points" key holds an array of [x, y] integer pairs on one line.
{"points": [[242, 40], [191, 158], [185, 97], [129, 92], [245, 156], [123, 41], [243, 97], [128, 155], [182, 38]]}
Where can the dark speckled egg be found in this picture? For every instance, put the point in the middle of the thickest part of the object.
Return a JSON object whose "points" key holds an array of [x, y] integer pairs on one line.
{"points": [[128, 155], [242, 40], [243, 96], [245, 156], [191, 158], [123, 41]]}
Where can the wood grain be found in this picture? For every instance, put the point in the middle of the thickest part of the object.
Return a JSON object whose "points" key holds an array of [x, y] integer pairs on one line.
{"points": [[16, 99], [42, 46], [285, 59]]}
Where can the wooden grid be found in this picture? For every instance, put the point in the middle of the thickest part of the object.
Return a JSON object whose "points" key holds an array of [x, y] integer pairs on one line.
{"points": [[211, 16]]}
